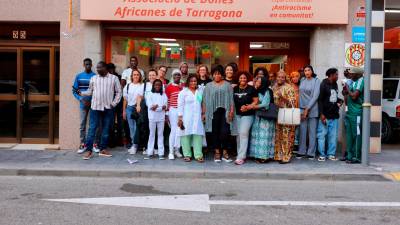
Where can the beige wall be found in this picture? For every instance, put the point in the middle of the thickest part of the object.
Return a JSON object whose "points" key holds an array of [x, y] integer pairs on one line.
{"points": [[82, 40]]}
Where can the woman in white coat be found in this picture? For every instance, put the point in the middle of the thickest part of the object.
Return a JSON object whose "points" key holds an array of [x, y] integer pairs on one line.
{"points": [[190, 120]]}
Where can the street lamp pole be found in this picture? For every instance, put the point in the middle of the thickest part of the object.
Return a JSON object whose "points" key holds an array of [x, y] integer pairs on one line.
{"points": [[366, 118]]}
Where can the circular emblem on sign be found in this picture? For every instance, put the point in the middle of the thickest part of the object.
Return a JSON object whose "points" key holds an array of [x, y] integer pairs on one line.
{"points": [[355, 55]]}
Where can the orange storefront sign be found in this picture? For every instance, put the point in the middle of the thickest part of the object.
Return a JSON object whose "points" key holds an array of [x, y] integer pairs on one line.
{"points": [[218, 11]]}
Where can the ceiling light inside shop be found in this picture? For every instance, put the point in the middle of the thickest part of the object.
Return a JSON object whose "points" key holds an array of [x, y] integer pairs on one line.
{"points": [[392, 10], [256, 45], [169, 44], [169, 49], [164, 39]]}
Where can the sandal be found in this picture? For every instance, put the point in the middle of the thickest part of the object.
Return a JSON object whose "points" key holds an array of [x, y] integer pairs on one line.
{"points": [[187, 159], [200, 160], [261, 161], [239, 162]]}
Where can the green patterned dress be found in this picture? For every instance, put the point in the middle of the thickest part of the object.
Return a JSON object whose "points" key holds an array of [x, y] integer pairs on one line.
{"points": [[262, 140]]}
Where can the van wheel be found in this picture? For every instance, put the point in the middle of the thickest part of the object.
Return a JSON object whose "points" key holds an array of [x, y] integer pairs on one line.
{"points": [[387, 131]]}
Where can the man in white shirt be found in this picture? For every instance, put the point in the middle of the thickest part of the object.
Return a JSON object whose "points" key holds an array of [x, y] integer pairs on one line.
{"points": [[126, 75], [106, 93]]}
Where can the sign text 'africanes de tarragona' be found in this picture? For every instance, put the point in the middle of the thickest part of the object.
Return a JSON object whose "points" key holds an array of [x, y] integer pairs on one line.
{"points": [[218, 11]]}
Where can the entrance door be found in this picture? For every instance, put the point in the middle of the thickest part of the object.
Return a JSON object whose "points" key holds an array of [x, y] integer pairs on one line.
{"points": [[27, 94]]}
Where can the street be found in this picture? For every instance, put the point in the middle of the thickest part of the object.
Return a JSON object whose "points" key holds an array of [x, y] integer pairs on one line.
{"points": [[23, 201]]}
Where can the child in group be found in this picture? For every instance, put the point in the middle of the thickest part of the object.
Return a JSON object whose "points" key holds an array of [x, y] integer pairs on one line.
{"points": [[157, 103]]}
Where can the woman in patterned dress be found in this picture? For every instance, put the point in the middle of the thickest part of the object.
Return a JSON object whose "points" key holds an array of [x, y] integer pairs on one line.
{"points": [[284, 97], [263, 131], [295, 82]]}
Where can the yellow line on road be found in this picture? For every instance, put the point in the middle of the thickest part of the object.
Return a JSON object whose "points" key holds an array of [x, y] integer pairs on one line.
{"points": [[396, 176]]}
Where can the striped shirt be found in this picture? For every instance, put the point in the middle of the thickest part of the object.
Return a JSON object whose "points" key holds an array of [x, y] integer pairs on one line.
{"points": [[105, 91], [172, 92]]}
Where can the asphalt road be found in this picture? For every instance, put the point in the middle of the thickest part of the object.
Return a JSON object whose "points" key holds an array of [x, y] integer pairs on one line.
{"points": [[22, 201]]}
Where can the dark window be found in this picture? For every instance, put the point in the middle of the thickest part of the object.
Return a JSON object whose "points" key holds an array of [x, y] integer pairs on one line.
{"points": [[390, 89]]}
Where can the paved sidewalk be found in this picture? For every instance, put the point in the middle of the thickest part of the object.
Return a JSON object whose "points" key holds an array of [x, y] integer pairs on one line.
{"points": [[383, 166]]}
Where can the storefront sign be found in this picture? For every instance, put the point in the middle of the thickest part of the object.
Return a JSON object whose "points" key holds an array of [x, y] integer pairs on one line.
{"points": [[218, 11], [355, 55], [358, 34]]}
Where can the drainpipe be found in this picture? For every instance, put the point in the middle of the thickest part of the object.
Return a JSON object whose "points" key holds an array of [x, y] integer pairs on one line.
{"points": [[367, 75]]}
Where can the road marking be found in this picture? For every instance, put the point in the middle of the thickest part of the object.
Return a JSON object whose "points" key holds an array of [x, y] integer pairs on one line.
{"points": [[201, 203], [396, 176], [305, 203], [196, 203]]}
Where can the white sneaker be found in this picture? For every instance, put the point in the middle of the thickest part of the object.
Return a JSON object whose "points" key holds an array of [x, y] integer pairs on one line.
{"points": [[132, 150], [96, 149], [171, 156], [227, 160], [81, 149], [321, 159], [177, 153]]}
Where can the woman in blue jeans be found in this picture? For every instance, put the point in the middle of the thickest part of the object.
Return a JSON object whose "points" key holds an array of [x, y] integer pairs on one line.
{"points": [[132, 93], [246, 99]]}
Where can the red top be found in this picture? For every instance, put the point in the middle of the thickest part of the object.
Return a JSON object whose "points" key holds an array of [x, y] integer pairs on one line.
{"points": [[172, 92]]}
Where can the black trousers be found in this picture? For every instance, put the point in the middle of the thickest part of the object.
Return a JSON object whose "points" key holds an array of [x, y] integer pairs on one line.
{"points": [[220, 130]]}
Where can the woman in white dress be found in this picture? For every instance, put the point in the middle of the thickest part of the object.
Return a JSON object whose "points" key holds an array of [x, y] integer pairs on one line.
{"points": [[190, 120]]}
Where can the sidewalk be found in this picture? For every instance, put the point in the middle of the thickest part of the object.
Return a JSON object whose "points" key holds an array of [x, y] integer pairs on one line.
{"points": [[67, 163]]}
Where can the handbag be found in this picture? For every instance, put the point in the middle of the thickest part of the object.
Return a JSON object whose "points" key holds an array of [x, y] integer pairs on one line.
{"points": [[289, 116], [269, 114], [135, 115]]}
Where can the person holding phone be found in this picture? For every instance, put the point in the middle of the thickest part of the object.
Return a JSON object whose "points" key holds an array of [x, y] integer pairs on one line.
{"points": [[190, 120]]}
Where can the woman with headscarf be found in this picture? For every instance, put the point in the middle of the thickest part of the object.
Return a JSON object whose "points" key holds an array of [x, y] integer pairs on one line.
{"points": [[262, 140], [284, 97]]}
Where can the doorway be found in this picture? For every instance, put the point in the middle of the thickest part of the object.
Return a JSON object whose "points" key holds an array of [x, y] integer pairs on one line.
{"points": [[29, 94]]}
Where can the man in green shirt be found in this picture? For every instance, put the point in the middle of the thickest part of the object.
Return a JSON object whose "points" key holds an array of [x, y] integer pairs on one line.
{"points": [[355, 98]]}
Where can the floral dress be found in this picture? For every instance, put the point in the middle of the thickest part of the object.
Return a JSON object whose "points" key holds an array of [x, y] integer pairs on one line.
{"points": [[284, 134], [262, 140]]}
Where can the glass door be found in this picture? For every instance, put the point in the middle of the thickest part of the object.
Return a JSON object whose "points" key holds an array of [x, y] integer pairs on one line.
{"points": [[9, 101], [27, 95]]}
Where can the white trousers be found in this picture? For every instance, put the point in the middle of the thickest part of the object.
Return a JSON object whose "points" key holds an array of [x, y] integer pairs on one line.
{"points": [[153, 126], [174, 138]]}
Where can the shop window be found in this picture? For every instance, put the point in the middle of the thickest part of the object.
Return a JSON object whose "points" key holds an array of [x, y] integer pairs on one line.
{"points": [[273, 63], [153, 52], [269, 45]]}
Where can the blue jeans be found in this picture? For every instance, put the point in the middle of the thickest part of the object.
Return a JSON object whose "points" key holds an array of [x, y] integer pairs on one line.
{"points": [[244, 126], [329, 130], [131, 122], [82, 127], [96, 118]]}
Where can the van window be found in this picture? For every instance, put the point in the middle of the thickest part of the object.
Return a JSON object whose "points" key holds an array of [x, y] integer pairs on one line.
{"points": [[390, 89]]}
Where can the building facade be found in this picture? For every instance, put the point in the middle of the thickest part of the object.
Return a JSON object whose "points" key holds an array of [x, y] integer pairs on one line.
{"points": [[43, 43]]}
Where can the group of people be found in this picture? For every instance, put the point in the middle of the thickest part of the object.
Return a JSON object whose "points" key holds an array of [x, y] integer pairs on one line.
{"points": [[220, 111]]}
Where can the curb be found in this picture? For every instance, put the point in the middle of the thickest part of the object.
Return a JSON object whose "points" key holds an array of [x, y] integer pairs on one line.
{"points": [[193, 175]]}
